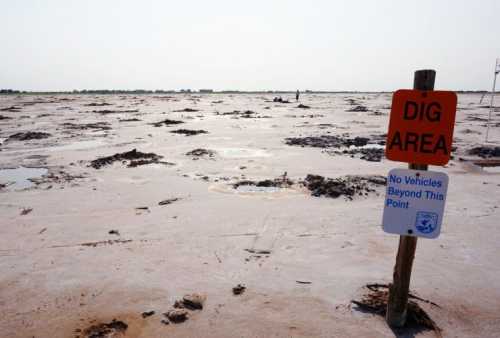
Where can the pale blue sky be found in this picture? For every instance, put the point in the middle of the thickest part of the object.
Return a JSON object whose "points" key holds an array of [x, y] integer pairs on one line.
{"points": [[246, 45]]}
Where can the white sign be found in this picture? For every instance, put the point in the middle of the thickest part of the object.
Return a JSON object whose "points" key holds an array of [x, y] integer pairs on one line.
{"points": [[414, 202]]}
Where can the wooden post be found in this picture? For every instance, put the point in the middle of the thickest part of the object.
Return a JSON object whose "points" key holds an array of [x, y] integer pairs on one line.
{"points": [[397, 304]]}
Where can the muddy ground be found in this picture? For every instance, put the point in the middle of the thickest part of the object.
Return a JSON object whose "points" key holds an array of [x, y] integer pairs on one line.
{"points": [[115, 207]]}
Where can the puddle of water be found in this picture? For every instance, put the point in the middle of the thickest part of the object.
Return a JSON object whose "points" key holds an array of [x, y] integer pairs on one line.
{"points": [[242, 152], [18, 177], [81, 145]]}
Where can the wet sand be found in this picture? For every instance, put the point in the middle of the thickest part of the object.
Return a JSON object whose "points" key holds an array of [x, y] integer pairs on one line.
{"points": [[99, 245]]}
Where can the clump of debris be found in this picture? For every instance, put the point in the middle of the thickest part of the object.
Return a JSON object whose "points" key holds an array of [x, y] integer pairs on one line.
{"points": [[201, 152], [179, 313], [189, 132], [86, 126], [348, 186], [367, 154], [115, 328], [375, 302], [12, 109], [107, 111], [358, 108], [485, 151], [239, 289], [247, 114], [280, 182], [166, 122], [129, 120], [303, 106], [327, 141], [29, 135], [132, 158]]}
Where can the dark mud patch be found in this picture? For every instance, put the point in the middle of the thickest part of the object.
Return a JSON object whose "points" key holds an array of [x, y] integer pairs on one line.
{"points": [[129, 120], [113, 329], [12, 109], [201, 152], [485, 151], [132, 158], [327, 141], [5, 118], [189, 132], [186, 110], [97, 104], [367, 154], [87, 126], [347, 186], [108, 111], [166, 122], [375, 302], [29, 135]]}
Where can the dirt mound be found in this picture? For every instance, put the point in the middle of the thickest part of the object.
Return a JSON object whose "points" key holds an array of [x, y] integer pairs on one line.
{"points": [[189, 132], [303, 106], [348, 186], [113, 329], [29, 135], [327, 141], [166, 122], [133, 157], [375, 302], [485, 152]]}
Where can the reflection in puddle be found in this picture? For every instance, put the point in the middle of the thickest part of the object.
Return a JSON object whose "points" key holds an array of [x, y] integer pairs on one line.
{"points": [[242, 152], [18, 178]]}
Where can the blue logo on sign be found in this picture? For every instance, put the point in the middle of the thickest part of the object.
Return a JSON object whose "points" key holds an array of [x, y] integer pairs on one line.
{"points": [[426, 222]]}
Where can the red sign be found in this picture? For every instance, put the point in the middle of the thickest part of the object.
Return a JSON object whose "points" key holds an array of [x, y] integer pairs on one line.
{"points": [[421, 126]]}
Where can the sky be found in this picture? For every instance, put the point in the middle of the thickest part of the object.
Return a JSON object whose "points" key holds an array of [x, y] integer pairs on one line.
{"points": [[247, 45]]}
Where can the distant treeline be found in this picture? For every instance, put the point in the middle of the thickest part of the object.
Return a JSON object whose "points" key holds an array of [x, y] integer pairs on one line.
{"points": [[201, 91]]}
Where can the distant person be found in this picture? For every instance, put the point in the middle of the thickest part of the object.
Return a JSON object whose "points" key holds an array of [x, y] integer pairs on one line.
{"points": [[297, 94]]}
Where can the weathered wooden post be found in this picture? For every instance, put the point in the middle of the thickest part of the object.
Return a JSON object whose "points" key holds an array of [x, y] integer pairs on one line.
{"points": [[397, 304]]}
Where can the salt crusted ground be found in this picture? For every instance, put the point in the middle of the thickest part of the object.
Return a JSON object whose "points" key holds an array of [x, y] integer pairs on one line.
{"points": [[302, 258]]}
